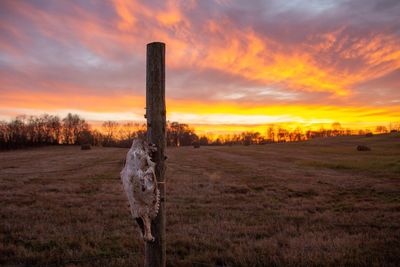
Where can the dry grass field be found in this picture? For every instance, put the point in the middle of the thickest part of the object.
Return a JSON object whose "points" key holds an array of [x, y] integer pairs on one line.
{"points": [[314, 203]]}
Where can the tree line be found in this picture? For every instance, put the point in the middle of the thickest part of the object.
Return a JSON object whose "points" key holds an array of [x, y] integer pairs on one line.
{"points": [[27, 131], [46, 129]]}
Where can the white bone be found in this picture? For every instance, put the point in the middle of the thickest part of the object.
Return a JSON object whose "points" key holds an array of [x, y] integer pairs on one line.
{"points": [[140, 185]]}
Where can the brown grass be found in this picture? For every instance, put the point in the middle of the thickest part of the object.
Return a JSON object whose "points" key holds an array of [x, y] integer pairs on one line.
{"points": [[317, 203]]}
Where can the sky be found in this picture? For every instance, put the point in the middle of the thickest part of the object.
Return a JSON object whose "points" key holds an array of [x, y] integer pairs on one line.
{"points": [[231, 65]]}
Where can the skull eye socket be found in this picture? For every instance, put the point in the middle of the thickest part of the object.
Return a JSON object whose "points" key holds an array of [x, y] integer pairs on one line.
{"points": [[148, 182]]}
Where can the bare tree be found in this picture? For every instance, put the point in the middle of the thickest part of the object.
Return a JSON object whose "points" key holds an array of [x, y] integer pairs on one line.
{"points": [[127, 131], [110, 129], [180, 134], [271, 133], [72, 126], [4, 135], [381, 129], [337, 129]]}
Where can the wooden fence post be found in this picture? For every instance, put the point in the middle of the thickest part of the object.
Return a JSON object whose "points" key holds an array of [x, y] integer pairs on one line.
{"points": [[155, 252]]}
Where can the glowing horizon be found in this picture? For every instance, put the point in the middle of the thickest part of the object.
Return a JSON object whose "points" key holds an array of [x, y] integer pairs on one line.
{"points": [[230, 65]]}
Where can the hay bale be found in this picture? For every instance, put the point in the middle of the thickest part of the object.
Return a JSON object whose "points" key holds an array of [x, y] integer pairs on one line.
{"points": [[369, 135], [363, 148], [86, 147], [196, 144]]}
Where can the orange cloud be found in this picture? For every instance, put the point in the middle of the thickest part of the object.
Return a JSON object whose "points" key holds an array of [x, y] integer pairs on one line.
{"points": [[128, 20], [85, 102], [246, 53], [242, 52]]}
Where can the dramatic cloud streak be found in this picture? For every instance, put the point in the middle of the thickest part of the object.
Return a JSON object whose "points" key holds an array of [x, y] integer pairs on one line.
{"points": [[246, 63]]}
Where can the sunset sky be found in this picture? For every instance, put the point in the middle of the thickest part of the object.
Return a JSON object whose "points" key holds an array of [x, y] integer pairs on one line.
{"points": [[231, 65]]}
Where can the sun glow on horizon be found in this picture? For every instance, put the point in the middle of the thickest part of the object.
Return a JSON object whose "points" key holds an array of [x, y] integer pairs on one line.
{"points": [[207, 118]]}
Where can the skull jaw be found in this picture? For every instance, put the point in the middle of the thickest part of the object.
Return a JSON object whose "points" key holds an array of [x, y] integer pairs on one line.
{"points": [[145, 227], [148, 237]]}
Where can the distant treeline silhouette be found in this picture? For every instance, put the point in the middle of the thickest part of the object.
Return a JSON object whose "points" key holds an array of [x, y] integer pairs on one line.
{"points": [[27, 131]]}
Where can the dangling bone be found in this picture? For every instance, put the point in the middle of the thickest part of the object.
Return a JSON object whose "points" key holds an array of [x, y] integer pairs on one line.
{"points": [[140, 185]]}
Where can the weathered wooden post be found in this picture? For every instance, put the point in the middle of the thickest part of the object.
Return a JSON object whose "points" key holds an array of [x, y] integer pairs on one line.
{"points": [[155, 253]]}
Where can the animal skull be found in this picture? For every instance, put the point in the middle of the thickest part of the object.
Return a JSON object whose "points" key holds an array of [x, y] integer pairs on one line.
{"points": [[140, 185]]}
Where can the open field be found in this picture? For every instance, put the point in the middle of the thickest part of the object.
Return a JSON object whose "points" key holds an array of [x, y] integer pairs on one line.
{"points": [[315, 203]]}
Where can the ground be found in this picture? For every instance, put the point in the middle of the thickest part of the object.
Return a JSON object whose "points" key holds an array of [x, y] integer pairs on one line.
{"points": [[314, 203]]}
